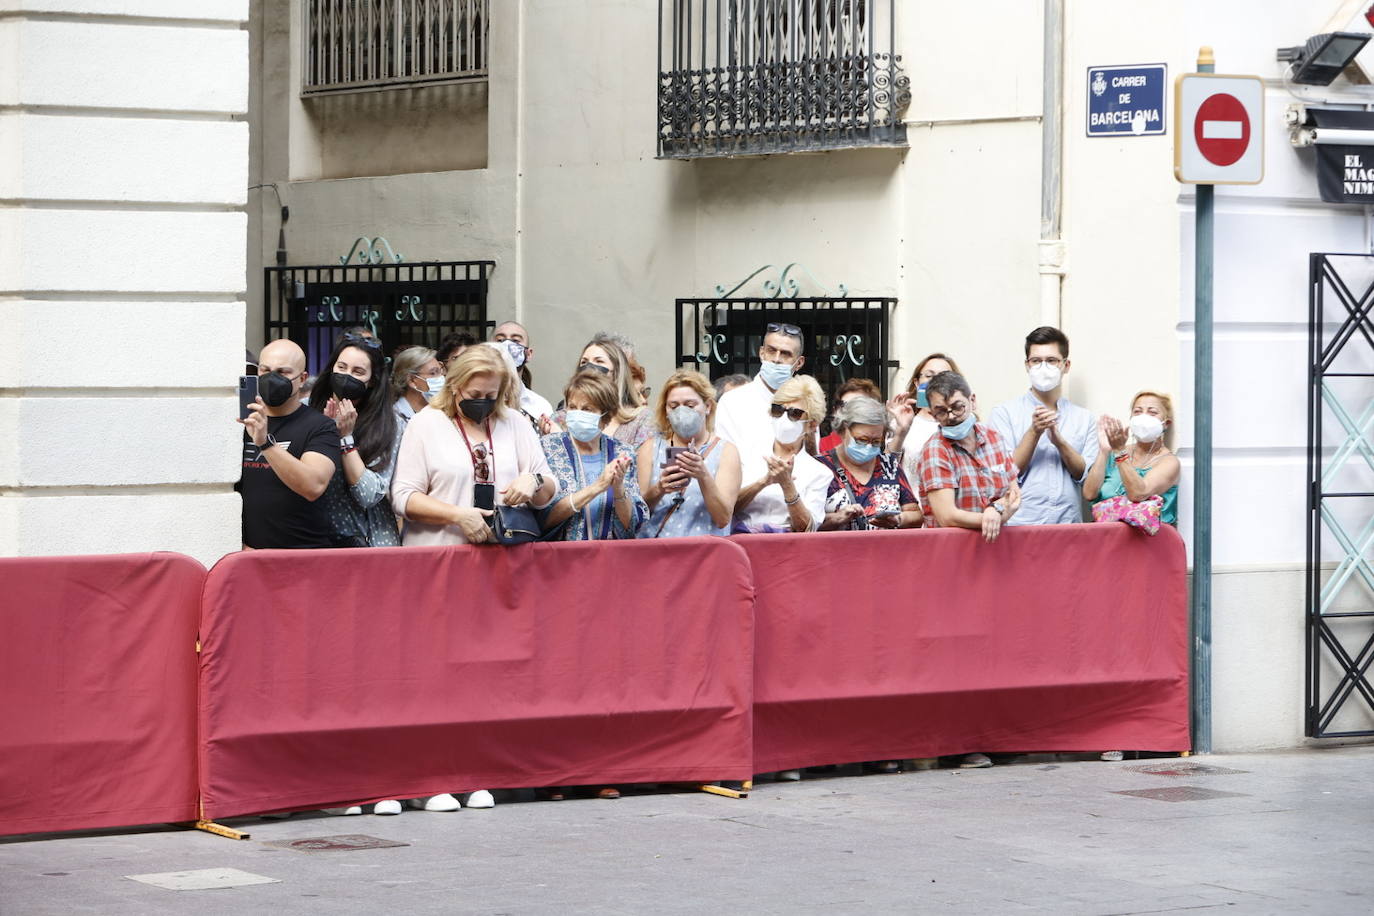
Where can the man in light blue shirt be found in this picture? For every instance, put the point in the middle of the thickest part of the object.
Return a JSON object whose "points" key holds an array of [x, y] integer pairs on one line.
{"points": [[1053, 440]]}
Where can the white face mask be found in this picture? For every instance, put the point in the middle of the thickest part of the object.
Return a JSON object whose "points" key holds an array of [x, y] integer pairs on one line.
{"points": [[787, 430], [1146, 428], [433, 385], [1044, 377]]}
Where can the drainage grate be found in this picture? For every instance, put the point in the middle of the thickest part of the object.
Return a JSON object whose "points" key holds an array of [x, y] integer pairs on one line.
{"points": [[334, 843], [1181, 794], [1184, 769]]}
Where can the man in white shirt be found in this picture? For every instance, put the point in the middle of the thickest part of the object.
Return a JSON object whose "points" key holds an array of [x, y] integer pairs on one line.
{"points": [[1052, 440], [517, 343], [742, 415]]}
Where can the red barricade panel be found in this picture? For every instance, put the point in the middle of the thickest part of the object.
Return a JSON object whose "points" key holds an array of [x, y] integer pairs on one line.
{"points": [[883, 646], [352, 675], [97, 691]]}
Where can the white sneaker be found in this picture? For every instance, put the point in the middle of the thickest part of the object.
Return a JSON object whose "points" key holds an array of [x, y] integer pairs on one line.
{"points": [[788, 775], [390, 806], [1113, 756], [481, 799], [444, 802], [340, 812], [975, 762]]}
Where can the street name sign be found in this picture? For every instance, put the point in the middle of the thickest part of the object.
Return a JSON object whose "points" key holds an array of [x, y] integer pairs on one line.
{"points": [[1126, 101]]}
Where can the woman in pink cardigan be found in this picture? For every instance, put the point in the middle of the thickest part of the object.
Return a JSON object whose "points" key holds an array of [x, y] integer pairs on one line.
{"points": [[463, 453]]}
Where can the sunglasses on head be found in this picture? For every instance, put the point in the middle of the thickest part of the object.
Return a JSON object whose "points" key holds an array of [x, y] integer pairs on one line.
{"points": [[791, 330], [356, 340], [795, 414]]}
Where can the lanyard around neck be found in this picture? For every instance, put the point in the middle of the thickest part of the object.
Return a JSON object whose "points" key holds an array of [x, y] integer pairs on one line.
{"points": [[472, 456]]}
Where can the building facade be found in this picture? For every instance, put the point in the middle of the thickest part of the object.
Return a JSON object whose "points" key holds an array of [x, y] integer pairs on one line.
{"points": [[530, 137]]}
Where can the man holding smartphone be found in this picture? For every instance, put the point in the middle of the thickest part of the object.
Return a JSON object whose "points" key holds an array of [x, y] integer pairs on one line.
{"points": [[290, 452]]}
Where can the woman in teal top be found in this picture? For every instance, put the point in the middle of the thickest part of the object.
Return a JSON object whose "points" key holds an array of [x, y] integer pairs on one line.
{"points": [[1142, 466]]}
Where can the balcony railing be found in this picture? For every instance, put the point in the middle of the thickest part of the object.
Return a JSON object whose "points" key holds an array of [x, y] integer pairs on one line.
{"points": [[745, 77], [356, 45]]}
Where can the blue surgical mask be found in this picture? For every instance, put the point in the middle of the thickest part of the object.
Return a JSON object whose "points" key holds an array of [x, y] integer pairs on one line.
{"points": [[434, 385], [774, 374], [861, 452], [685, 421], [583, 425], [955, 433], [921, 400]]}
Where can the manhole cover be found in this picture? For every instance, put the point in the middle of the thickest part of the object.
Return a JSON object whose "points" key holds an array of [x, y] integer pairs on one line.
{"points": [[332, 843], [1184, 769], [1181, 794]]}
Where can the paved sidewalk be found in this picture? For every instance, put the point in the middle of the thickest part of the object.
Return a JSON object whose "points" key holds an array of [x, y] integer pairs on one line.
{"points": [[1293, 832]]}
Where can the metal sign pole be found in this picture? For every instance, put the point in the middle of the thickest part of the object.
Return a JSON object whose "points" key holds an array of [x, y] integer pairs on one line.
{"points": [[1201, 611]]}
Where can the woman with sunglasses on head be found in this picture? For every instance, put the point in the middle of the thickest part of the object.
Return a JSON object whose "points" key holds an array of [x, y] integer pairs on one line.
{"points": [[464, 453], [911, 410], [632, 423], [355, 394], [869, 489], [688, 476], [786, 487]]}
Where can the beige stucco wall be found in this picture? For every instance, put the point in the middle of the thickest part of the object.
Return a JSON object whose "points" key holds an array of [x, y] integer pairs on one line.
{"points": [[590, 231]]}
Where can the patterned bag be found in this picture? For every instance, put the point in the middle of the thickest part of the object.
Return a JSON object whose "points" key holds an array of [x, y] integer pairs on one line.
{"points": [[1144, 515]]}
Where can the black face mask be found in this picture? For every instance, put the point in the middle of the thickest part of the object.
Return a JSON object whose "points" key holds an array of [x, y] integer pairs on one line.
{"points": [[275, 390], [348, 388], [477, 409]]}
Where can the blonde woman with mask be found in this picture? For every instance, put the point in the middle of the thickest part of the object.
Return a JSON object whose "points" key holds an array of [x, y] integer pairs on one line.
{"points": [[785, 488], [688, 476], [1134, 459]]}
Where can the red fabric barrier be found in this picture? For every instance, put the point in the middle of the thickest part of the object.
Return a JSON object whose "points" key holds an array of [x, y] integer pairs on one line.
{"points": [[97, 691], [353, 675], [926, 643]]}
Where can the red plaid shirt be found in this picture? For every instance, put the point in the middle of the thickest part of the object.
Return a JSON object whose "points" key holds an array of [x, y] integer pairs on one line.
{"points": [[976, 479]]}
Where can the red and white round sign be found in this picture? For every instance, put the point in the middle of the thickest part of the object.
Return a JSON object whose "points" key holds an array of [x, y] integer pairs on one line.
{"points": [[1218, 129], [1222, 129]]}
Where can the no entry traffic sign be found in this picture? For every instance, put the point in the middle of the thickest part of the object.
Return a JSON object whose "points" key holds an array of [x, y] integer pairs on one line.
{"points": [[1219, 129]]}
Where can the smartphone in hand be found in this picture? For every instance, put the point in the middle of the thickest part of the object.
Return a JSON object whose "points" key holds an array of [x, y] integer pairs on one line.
{"points": [[248, 394], [673, 452]]}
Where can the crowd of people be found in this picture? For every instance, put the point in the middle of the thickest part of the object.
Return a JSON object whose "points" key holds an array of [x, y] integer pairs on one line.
{"points": [[427, 446]]}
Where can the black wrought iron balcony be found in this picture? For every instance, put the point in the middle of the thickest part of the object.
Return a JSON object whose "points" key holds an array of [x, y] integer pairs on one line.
{"points": [[747, 77]]}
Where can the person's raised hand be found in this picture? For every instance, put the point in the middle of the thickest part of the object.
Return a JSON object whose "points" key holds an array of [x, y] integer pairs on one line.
{"points": [[256, 423], [903, 407], [1116, 433], [693, 465], [345, 415], [1043, 419], [779, 469]]}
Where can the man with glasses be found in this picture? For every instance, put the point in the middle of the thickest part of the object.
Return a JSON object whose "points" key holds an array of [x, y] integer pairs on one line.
{"points": [[290, 452], [1053, 441], [742, 414], [966, 476]]}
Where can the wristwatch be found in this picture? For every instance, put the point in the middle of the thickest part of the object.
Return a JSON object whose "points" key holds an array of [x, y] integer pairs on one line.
{"points": [[271, 441], [538, 481], [345, 442]]}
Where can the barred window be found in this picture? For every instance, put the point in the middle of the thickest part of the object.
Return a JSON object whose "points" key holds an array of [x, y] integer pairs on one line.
{"points": [[353, 45]]}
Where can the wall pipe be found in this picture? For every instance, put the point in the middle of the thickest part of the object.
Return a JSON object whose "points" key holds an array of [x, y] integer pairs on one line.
{"points": [[1201, 610], [1051, 246]]}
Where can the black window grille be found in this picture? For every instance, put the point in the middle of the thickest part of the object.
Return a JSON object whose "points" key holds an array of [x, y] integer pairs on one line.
{"points": [[844, 338], [403, 304], [738, 77]]}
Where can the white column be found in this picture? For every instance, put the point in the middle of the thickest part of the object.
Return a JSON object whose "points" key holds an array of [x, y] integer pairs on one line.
{"points": [[123, 174]]}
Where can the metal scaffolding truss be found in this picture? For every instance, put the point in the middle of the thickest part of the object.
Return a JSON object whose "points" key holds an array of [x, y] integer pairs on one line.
{"points": [[1340, 502]]}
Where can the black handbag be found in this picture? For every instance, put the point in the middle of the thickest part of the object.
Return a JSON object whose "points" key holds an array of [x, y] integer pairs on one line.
{"points": [[512, 525]]}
